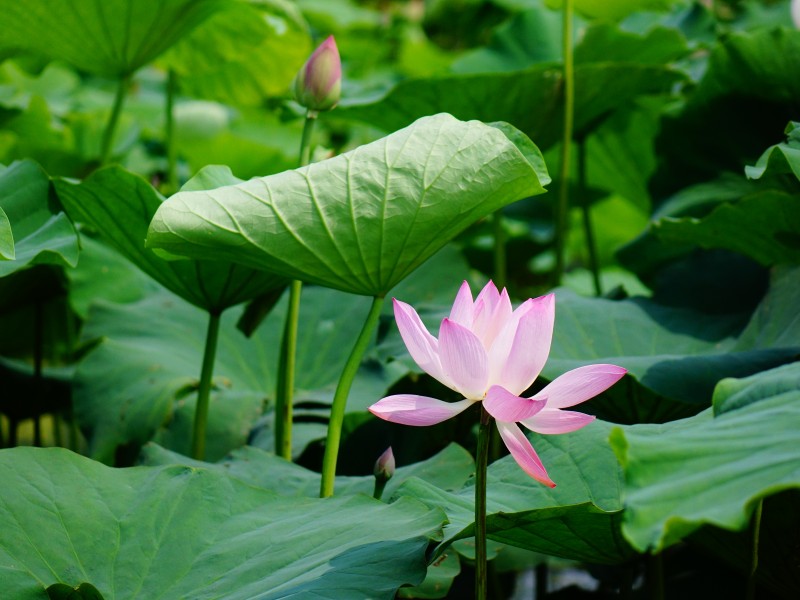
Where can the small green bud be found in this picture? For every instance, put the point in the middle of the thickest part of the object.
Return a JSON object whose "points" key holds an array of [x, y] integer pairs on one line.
{"points": [[384, 470]]}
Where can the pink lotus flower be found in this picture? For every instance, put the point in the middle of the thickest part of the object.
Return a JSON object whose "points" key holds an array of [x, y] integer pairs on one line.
{"points": [[318, 85], [489, 353]]}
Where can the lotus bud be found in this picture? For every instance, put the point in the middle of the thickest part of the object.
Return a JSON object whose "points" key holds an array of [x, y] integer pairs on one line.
{"points": [[384, 470], [318, 85]]}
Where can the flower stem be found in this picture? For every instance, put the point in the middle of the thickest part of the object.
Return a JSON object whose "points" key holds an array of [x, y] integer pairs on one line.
{"points": [[38, 359], [562, 207], [286, 368], [591, 245], [481, 464], [284, 389], [340, 398], [751, 578], [169, 133], [113, 120], [204, 389]]}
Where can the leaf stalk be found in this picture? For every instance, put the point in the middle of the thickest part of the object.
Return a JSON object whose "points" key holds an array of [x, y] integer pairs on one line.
{"points": [[204, 389]]}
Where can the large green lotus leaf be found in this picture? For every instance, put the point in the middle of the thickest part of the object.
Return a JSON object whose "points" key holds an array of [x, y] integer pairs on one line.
{"points": [[711, 469], [106, 37], [748, 74], [182, 532], [119, 206], [602, 88], [447, 470], [579, 519], [763, 226], [362, 221], [33, 228], [243, 54], [143, 375]]}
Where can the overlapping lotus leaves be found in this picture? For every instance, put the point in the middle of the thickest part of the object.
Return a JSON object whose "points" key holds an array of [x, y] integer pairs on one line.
{"points": [[362, 221], [105, 37], [183, 532], [579, 519], [119, 206], [33, 229], [712, 469]]}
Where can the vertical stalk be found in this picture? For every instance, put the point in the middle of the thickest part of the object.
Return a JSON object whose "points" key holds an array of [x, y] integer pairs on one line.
{"points": [[568, 79], [340, 398], [481, 465], [169, 133], [756, 528], [542, 575], [591, 245], [111, 126], [284, 388], [500, 264], [204, 389], [286, 368]]}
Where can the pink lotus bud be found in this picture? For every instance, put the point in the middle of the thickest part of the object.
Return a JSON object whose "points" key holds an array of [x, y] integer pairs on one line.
{"points": [[384, 470], [318, 85], [384, 466]]}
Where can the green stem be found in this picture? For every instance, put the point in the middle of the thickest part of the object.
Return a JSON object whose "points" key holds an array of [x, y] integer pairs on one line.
{"points": [[111, 126], [305, 141], [204, 389], [284, 389], [380, 485], [169, 133], [500, 264], [591, 245], [286, 368], [751, 579], [340, 398], [481, 465], [562, 208]]}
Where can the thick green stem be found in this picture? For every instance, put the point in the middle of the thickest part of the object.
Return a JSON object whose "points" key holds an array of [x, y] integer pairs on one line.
{"points": [[756, 528], [169, 133], [286, 368], [305, 141], [500, 264], [204, 390], [562, 208], [481, 465], [380, 486], [588, 230], [113, 120], [340, 398], [284, 389]]}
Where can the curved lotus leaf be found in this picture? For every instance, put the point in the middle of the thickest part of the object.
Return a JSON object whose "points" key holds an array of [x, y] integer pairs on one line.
{"points": [[579, 519], [712, 469], [364, 220], [119, 206], [182, 532], [33, 228], [243, 54], [780, 158], [106, 37]]}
